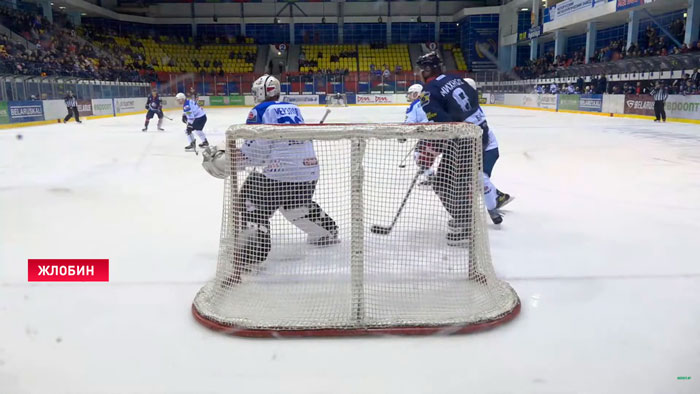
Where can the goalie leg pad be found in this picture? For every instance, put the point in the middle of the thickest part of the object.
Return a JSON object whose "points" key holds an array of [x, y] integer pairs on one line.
{"points": [[253, 241], [312, 220], [252, 246]]}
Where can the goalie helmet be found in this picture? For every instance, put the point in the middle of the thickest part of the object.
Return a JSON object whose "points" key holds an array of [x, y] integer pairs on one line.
{"points": [[470, 82], [265, 87], [414, 92]]}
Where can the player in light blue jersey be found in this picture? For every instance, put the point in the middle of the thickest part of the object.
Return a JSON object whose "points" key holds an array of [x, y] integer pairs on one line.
{"points": [[290, 171], [195, 118], [414, 112]]}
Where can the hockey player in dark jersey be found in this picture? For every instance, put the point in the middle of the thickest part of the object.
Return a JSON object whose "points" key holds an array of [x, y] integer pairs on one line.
{"points": [[451, 99], [154, 107], [192, 94]]}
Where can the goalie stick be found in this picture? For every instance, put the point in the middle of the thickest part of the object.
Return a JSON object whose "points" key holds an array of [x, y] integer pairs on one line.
{"points": [[377, 229]]}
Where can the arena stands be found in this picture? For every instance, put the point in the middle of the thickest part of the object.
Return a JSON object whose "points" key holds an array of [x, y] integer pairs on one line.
{"points": [[374, 57], [328, 57], [457, 54], [57, 51]]}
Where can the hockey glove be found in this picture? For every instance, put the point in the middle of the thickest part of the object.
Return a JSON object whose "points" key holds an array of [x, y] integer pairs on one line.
{"points": [[214, 162], [425, 155], [146, 106], [184, 118], [189, 129]]}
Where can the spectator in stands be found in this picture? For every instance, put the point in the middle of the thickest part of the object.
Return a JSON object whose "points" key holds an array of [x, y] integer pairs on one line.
{"points": [[639, 89], [386, 74], [570, 89], [553, 89], [579, 84], [602, 85]]}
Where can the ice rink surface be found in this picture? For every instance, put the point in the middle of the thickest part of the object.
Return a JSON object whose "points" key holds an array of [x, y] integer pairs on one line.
{"points": [[601, 244]]}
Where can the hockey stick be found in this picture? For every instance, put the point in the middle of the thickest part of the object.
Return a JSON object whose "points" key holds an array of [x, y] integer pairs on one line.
{"points": [[403, 162], [386, 230], [323, 119]]}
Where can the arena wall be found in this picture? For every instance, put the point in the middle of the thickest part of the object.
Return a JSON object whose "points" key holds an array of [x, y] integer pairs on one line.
{"points": [[678, 108]]}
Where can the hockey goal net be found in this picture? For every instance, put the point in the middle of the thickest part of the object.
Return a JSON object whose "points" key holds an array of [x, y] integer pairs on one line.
{"points": [[336, 100], [273, 276]]}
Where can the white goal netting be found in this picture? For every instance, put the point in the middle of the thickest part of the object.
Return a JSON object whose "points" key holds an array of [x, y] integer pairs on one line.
{"points": [[311, 243], [336, 100]]}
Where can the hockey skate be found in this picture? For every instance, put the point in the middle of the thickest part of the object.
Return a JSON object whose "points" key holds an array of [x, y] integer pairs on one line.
{"points": [[191, 147], [496, 217], [204, 144], [161, 129], [144, 129], [503, 199]]}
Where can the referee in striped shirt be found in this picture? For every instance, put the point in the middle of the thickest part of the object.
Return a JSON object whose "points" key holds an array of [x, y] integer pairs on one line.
{"points": [[72, 106], [660, 94]]}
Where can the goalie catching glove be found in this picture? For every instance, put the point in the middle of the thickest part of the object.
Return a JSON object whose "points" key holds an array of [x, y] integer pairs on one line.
{"points": [[214, 162]]}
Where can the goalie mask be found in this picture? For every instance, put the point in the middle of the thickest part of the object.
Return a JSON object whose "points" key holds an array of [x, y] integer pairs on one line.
{"points": [[265, 87], [414, 92]]}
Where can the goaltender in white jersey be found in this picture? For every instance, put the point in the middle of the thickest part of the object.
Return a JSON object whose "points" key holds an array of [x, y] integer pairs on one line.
{"points": [[289, 161], [290, 171]]}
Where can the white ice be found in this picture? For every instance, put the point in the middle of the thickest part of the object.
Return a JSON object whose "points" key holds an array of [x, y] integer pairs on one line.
{"points": [[601, 245]]}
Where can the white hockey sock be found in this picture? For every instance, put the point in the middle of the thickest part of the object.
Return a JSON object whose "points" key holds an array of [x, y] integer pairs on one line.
{"points": [[160, 123], [190, 137], [201, 135], [490, 193]]}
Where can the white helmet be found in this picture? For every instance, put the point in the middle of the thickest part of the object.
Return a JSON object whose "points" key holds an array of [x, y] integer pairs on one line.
{"points": [[180, 97], [413, 92], [265, 87], [470, 82]]}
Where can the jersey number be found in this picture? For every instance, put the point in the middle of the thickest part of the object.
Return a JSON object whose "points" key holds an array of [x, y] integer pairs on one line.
{"points": [[461, 99], [289, 120]]}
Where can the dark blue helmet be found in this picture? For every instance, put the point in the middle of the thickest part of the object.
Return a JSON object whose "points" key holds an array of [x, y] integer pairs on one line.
{"points": [[430, 62]]}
